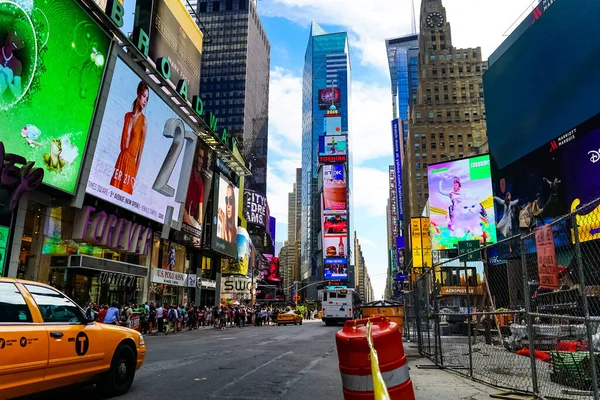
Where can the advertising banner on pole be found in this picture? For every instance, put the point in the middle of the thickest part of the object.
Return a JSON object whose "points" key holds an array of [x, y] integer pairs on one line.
{"points": [[397, 140]]}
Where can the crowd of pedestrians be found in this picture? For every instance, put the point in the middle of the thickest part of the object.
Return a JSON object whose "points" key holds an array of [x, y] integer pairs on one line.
{"points": [[164, 318]]}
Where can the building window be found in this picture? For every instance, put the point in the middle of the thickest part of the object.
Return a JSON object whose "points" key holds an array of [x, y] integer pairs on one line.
{"points": [[419, 186], [434, 156], [422, 136], [460, 144], [460, 154], [430, 114], [416, 145], [202, 7], [418, 115], [441, 57], [433, 47], [441, 135], [457, 55], [417, 155], [433, 38], [442, 47], [432, 135], [425, 165], [432, 57], [417, 165], [418, 176], [229, 5], [242, 4], [433, 145], [419, 196], [451, 144], [449, 57], [216, 6], [416, 135]]}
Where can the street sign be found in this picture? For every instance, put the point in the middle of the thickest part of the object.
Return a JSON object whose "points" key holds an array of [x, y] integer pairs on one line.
{"points": [[467, 246]]}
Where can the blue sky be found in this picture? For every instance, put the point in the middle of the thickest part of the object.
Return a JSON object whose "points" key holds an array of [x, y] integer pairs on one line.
{"points": [[368, 23]]}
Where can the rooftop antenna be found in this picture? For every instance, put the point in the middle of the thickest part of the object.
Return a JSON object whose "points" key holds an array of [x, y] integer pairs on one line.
{"points": [[414, 19]]}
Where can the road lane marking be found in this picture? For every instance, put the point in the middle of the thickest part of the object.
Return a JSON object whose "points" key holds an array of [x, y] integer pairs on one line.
{"points": [[266, 343], [304, 371], [214, 395]]}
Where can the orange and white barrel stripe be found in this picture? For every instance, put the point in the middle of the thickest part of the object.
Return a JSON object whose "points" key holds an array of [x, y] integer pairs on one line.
{"points": [[372, 361]]}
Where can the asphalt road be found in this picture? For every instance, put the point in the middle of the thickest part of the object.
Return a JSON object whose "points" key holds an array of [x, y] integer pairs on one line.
{"points": [[269, 362]]}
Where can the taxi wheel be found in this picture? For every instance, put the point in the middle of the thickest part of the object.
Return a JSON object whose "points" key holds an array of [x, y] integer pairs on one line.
{"points": [[119, 378]]}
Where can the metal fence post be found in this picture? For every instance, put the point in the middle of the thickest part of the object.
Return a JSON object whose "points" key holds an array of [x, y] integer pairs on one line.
{"points": [[528, 319], [469, 317], [584, 301], [417, 312]]}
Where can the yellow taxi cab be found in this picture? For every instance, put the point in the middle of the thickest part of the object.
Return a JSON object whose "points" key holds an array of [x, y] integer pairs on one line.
{"points": [[289, 317], [47, 341]]}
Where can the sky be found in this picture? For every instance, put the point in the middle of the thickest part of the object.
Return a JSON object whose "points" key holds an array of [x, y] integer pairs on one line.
{"points": [[474, 23]]}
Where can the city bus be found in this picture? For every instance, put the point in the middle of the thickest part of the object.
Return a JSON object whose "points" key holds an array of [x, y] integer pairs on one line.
{"points": [[339, 305]]}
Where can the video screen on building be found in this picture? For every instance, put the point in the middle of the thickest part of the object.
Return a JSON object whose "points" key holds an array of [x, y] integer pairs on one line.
{"points": [[139, 155], [329, 97], [534, 93], [333, 149], [461, 204], [225, 204], [334, 187], [51, 68], [555, 179], [335, 261], [196, 200]]}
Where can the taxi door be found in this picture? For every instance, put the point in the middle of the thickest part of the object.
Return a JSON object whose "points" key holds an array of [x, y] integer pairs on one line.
{"points": [[76, 348], [23, 345]]}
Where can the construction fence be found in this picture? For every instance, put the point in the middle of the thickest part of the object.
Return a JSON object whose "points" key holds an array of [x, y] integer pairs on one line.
{"points": [[525, 318]]}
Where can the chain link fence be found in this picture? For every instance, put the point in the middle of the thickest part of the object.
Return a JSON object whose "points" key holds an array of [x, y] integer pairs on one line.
{"points": [[521, 314]]}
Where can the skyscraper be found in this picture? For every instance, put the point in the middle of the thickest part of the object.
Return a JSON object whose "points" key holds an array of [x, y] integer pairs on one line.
{"points": [[403, 74], [326, 83], [448, 117], [235, 77]]}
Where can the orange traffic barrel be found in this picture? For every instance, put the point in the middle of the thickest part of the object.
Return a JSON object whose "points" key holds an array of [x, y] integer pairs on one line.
{"points": [[355, 364]]}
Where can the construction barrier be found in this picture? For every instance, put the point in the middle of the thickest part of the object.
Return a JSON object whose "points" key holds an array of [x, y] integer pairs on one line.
{"points": [[371, 359], [393, 310]]}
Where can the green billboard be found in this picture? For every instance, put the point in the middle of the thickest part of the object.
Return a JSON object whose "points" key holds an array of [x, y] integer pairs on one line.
{"points": [[52, 62]]}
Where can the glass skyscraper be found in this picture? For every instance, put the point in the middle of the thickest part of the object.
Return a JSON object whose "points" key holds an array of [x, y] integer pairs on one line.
{"points": [[403, 53], [326, 66], [235, 77]]}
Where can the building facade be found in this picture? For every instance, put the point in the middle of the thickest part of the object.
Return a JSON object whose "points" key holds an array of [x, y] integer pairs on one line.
{"points": [[235, 77], [448, 116], [326, 71]]}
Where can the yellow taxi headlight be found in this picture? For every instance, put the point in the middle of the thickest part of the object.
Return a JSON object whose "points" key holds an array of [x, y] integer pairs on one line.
{"points": [[142, 342]]}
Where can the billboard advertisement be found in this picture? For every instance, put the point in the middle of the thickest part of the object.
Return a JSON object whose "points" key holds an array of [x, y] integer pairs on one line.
{"points": [[173, 35], [139, 154], [553, 180], [460, 202], [329, 97], [51, 67], [397, 140], [421, 242], [334, 188], [335, 259], [333, 149], [272, 227], [335, 223], [225, 204], [257, 210], [196, 199], [246, 255]]}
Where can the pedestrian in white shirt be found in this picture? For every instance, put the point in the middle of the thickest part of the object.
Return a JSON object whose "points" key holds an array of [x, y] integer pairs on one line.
{"points": [[160, 317]]}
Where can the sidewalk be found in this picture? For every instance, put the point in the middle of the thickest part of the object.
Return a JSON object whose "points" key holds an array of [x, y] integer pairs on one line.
{"points": [[436, 384]]}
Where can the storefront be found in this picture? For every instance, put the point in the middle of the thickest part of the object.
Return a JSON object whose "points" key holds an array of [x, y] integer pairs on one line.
{"points": [[89, 253], [169, 273]]}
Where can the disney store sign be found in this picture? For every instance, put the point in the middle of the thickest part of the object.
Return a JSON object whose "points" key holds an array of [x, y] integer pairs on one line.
{"points": [[18, 179]]}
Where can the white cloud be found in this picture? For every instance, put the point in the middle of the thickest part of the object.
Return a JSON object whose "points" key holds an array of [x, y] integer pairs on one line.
{"points": [[369, 23], [364, 242], [370, 192], [370, 121], [285, 111]]}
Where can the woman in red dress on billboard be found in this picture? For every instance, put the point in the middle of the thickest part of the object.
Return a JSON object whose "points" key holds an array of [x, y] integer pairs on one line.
{"points": [[133, 137]]}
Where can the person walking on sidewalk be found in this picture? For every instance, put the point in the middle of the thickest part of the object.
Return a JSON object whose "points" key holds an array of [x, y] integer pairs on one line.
{"points": [[172, 317], [160, 318]]}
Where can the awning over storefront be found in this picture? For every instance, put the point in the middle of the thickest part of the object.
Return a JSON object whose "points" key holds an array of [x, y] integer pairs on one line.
{"points": [[102, 264]]}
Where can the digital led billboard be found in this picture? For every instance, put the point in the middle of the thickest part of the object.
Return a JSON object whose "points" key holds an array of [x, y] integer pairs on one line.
{"points": [[51, 68], [329, 97], [534, 93], [334, 187], [460, 202], [225, 204], [333, 149], [138, 159], [196, 199]]}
